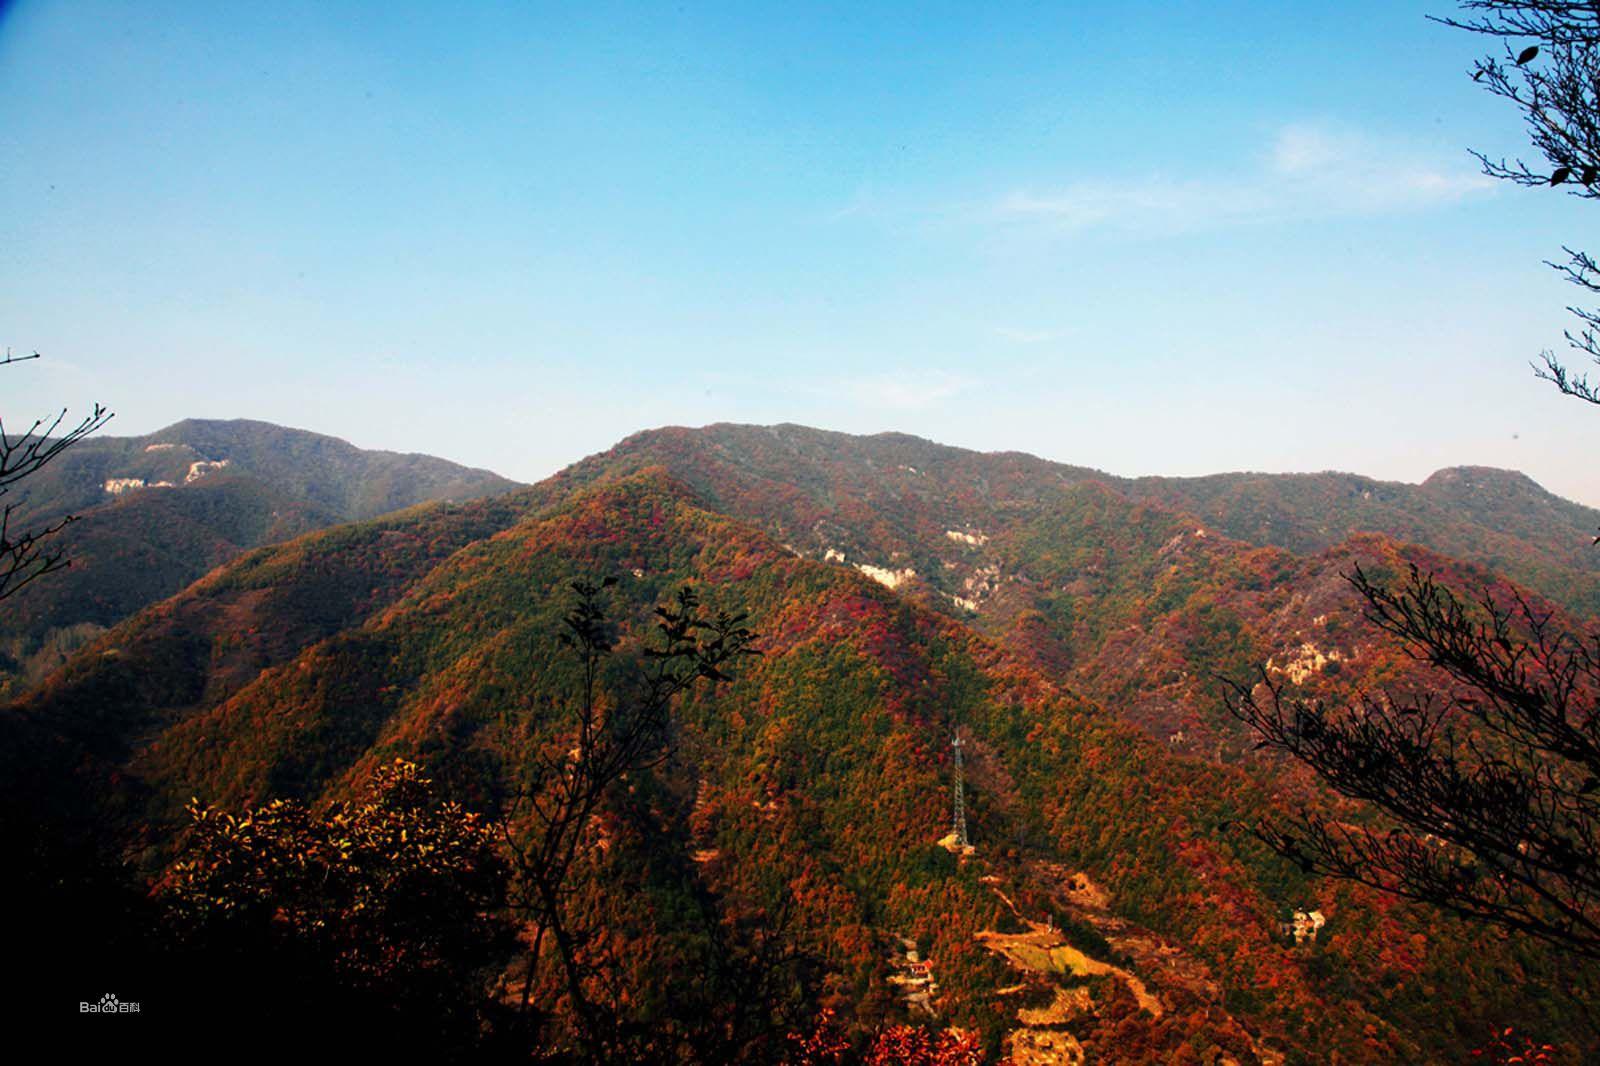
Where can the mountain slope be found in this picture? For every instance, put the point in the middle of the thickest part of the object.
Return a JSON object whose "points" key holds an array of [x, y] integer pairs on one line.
{"points": [[333, 475], [1104, 583], [820, 776], [1500, 519], [901, 494], [157, 512]]}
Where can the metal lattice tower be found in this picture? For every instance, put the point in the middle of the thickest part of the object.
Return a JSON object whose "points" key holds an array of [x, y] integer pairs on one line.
{"points": [[958, 820]]}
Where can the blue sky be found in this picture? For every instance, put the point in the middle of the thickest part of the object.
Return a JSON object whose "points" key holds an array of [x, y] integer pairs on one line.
{"points": [[1226, 236]]}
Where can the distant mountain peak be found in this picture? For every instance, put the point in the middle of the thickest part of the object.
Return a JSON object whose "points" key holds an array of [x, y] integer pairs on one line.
{"points": [[161, 509], [1481, 477]]}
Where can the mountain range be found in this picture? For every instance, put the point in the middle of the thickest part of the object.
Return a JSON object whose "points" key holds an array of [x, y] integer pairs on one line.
{"points": [[156, 512], [1069, 624]]}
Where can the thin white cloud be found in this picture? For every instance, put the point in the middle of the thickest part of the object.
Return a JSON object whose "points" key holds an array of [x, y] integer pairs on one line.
{"points": [[1018, 335], [908, 390], [1307, 171], [1300, 149], [861, 202]]}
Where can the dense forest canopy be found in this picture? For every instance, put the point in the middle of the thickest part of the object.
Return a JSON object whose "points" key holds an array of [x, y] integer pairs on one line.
{"points": [[788, 842]]}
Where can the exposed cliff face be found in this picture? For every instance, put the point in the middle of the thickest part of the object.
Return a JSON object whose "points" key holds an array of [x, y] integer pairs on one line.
{"points": [[116, 486], [201, 467], [198, 469]]}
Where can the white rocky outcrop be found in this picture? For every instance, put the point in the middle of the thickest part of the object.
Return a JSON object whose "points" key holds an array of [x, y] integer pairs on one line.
{"points": [[884, 576], [833, 555], [118, 485], [973, 539], [201, 467], [1306, 925], [1304, 661], [161, 447], [984, 581]]}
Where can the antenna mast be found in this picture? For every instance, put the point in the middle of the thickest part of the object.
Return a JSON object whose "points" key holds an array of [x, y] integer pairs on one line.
{"points": [[958, 821]]}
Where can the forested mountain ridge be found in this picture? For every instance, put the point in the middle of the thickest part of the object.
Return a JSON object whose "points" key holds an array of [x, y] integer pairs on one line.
{"points": [[331, 474], [1106, 583], [820, 776], [817, 488], [1500, 519], [158, 511]]}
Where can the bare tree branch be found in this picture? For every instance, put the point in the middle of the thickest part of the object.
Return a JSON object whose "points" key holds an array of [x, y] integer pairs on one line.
{"points": [[26, 555], [1486, 788], [1549, 70]]}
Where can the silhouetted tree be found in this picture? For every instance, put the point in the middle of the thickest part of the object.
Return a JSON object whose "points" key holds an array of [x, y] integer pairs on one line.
{"points": [[24, 553], [63, 880], [1490, 781], [612, 736], [1549, 70]]}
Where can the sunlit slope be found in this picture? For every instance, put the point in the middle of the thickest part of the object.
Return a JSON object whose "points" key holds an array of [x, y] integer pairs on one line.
{"points": [[820, 775], [888, 500], [1135, 602]]}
